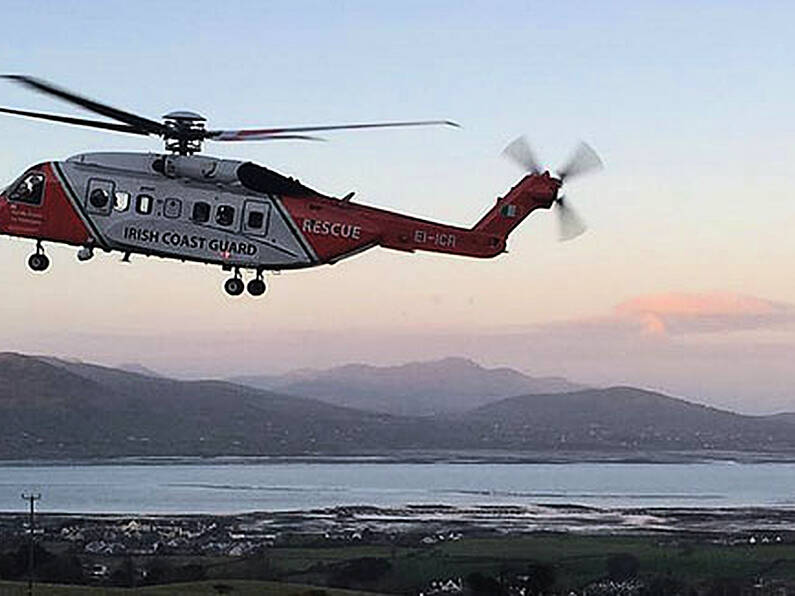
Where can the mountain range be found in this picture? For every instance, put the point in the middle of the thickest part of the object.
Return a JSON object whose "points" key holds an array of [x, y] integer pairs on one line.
{"points": [[52, 408], [451, 385]]}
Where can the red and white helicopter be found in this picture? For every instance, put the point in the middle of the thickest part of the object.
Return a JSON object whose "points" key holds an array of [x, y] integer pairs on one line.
{"points": [[238, 214]]}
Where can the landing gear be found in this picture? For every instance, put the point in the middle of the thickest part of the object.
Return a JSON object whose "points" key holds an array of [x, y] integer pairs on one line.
{"points": [[38, 261], [85, 254], [235, 286], [256, 286]]}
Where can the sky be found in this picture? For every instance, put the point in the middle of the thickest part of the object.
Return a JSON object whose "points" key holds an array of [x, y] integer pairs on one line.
{"points": [[683, 283]]}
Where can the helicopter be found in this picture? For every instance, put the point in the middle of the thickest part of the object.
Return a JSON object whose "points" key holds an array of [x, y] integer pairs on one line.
{"points": [[182, 205]]}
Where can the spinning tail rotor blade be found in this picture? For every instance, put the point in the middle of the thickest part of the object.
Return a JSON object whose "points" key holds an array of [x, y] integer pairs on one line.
{"points": [[138, 122], [519, 152], [583, 160], [265, 134], [570, 225]]}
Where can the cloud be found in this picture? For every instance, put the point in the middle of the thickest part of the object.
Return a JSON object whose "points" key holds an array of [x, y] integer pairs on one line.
{"points": [[669, 313]]}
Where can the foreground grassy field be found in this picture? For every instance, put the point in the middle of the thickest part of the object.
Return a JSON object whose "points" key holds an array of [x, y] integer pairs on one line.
{"points": [[568, 561], [576, 560], [235, 587]]}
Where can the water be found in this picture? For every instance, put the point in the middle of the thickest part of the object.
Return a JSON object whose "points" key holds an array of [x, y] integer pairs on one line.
{"points": [[196, 487]]}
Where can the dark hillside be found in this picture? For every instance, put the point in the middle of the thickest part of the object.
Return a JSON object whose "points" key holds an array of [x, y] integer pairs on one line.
{"points": [[48, 411], [622, 417], [56, 409]]}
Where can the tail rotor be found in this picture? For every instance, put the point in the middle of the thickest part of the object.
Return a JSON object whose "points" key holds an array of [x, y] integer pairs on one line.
{"points": [[582, 161]]}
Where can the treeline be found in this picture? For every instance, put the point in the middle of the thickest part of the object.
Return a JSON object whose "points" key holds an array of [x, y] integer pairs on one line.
{"points": [[67, 568]]}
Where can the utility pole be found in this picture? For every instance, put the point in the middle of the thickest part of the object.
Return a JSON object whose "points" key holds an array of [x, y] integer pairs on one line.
{"points": [[32, 498]]}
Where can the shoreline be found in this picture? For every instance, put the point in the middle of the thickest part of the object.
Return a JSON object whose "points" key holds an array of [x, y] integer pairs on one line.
{"points": [[486, 518], [428, 457]]}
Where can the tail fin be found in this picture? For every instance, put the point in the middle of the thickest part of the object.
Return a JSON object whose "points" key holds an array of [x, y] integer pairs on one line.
{"points": [[535, 191]]}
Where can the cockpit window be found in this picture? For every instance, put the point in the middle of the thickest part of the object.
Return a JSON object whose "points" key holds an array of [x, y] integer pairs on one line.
{"points": [[29, 190]]}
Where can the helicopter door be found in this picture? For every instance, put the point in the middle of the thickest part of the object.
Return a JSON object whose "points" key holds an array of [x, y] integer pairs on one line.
{"points": [[256, 217]]}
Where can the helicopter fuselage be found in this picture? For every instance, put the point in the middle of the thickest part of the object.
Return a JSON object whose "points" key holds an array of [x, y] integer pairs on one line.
{"points": [[236, 214]]}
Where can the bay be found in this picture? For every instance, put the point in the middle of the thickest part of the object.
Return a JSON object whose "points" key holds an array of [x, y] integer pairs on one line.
{"points": [[241, 486]]}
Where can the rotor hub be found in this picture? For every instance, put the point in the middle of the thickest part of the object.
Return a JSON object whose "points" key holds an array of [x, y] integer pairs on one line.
{"points": [[184, 132]]}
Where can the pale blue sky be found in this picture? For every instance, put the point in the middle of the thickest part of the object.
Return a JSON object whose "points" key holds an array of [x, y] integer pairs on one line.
{"points": [[688, 103]]}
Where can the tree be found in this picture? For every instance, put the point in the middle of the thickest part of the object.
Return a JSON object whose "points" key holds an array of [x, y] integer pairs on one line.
{"points": [[362, 570], [125, 574], [541, 578], [725, 587], [665, 586], [622, 566], [483, 585]]}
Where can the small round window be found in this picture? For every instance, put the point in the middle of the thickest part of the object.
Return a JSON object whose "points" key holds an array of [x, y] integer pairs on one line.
{"points": [[99, 198]]}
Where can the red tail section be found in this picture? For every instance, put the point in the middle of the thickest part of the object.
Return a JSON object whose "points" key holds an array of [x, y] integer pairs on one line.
{"points": [[338, 229], [487, 238], [536, 191]]}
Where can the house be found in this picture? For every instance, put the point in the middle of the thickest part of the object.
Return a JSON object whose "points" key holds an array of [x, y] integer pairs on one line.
{"points": [[98, 571], [444, 586]]}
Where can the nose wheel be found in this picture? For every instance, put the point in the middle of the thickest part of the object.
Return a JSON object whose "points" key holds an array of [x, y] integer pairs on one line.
{"points": [[38, 261]]}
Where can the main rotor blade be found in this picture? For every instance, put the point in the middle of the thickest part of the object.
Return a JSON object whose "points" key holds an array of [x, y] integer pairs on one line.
{"points": [[263, 134], [76, 121], [150, 126], [278, 137], [570, 225], [583, 160], [520, 152]]}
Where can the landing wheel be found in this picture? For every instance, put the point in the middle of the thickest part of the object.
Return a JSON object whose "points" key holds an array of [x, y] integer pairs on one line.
{"points": [[256, 287], [234, 286], [38, 261]]}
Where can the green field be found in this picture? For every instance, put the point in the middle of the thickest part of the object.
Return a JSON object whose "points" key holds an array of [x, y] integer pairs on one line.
{"points": [[576, 560], [573, 561], [236, 587]]}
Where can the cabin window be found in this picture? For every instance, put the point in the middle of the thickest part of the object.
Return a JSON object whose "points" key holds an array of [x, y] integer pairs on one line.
{"points": [[99, 199], [255, 220], [201, 212], [121, 200], [99, 196], [143, 204], [225, 215], [29, 190], [172, 208], [255, 217]]}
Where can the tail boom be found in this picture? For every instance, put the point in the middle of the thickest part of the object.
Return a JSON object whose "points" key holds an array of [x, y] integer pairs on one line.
{"points": [[488, 237]]}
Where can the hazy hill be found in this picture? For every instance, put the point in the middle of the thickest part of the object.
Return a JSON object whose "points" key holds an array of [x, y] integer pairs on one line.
{"points": [[415, 389], [135, 367], [622, 417], [52, 408], [784, 417]]}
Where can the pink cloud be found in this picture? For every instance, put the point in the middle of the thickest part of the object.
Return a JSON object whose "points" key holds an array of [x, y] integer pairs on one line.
{"points": [[672, 312]]}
